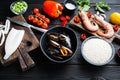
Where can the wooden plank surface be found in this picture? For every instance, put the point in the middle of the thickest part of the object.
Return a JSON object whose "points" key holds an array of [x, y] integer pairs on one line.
{"points": [[76, 69]]}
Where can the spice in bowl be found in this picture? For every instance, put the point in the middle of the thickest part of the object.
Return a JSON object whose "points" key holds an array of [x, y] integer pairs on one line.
{"points": [[18, 7], [97, 51], [70, 5]]}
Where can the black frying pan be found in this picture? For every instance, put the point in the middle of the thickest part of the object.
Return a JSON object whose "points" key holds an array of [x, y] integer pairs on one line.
{"points": [[44, 42]]}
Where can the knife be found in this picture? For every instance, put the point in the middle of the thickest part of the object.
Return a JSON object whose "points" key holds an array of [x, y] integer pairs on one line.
{"points": [[26, 24]]}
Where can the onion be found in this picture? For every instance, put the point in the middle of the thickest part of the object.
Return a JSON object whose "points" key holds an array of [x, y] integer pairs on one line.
{"points": [[4, 29], [2, 37], [7, 26]]}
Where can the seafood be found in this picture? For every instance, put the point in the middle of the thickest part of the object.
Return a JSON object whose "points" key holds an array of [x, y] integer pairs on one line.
{"points": [[59, 46], [107, 29], [61, 38], [64, 50], [89, 24], [54, 53], [65, 40], [53, 36]]}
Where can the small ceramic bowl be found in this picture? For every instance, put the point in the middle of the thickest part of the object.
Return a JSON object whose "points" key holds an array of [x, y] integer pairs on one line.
{"points": [[19, 7], [70, 5], [99, 51]]}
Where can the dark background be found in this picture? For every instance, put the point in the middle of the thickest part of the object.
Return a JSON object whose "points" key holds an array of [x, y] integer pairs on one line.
{"points": [[75, 69]]}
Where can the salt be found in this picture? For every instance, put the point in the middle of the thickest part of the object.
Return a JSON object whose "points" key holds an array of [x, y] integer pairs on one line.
{"points": [[70, 6]]}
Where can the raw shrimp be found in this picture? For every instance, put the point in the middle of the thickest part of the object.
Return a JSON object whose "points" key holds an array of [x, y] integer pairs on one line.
{"points": [[88, 24], [107, 29]]}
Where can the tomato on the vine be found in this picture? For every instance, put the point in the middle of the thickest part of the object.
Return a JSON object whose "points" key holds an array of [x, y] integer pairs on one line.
{"points": [[40, 23], [44, 26], [30, 18], [35, 20], [38, 14], [47, 20], [36, 10], [43, 17]]}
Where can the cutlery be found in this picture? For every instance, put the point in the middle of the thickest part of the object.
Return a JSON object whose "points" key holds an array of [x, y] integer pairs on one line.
{"points": [[26, 24], [13, 41]]}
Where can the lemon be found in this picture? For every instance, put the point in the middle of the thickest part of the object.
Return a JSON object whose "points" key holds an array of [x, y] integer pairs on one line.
{"points": [[115, 18]]}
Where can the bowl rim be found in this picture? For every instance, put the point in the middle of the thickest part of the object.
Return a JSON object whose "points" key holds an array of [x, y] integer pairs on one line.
{"points": [[57, 61], [11, 5], [97, 64], [73, 2]]}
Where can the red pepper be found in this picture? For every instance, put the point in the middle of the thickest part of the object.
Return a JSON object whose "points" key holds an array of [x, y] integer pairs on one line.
{"points": [[52, 8]]}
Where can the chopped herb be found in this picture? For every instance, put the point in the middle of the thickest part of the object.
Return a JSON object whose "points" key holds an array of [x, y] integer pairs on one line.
{"points": [[102, 5], [83, 4]]}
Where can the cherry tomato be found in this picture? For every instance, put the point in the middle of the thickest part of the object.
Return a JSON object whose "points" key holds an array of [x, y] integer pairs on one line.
{"points": [[40, 23], [116, 27], [62, 18], [43, 17], [47, 20], [83, 36], [67, 17], [64, 23], [44, 26], [76, 19], [38, 14], [30, 18], [35, 20], [89, 14], [36, 10]]}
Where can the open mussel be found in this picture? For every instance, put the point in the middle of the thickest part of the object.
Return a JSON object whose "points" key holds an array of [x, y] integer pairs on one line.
{"points": [[65, 40], [63, 50], [54, 53], [53, 36]]}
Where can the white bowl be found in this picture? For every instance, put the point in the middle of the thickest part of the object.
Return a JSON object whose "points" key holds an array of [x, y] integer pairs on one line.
{"points": [[19, 7], [99, 52]]}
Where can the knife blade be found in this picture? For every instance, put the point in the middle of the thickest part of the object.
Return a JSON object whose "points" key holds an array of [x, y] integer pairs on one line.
{"points": [[26, 24]]}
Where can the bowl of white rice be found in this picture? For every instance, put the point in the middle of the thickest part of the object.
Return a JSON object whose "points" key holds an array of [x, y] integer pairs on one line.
{"points": [[97, 51]]}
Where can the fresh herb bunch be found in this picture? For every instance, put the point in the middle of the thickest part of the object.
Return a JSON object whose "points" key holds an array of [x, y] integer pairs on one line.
{"points": [[100, 5], [83, 4]]}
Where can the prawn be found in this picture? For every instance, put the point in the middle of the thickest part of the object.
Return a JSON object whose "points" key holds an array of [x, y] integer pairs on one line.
{"points": [[90, 25], [107, 29]]}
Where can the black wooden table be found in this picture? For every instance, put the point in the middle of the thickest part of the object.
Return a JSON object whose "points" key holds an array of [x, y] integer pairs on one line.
{"points": [[75, 69]]}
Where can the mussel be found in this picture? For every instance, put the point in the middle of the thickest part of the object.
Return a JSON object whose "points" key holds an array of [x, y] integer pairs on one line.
{"points": [[65, 40], [53, 36], [54, 53], [63, 50]]}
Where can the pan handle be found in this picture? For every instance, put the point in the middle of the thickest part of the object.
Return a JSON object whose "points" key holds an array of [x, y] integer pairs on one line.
{"points": [[39, 29]]}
